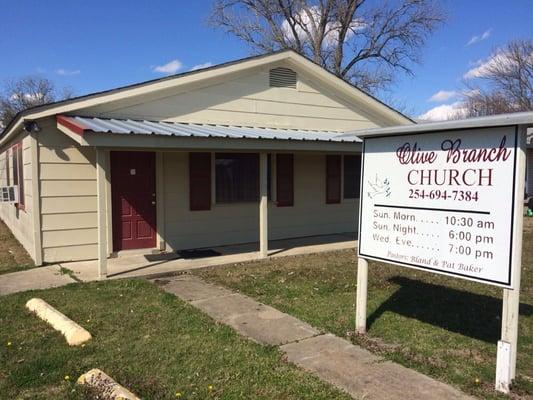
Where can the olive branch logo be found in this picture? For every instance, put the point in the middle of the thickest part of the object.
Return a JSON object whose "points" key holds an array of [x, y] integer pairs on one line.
{"points": [[379, 187]]}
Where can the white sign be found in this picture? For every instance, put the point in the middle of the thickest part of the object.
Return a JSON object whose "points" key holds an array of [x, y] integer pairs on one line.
{"points": [[441, 201]]}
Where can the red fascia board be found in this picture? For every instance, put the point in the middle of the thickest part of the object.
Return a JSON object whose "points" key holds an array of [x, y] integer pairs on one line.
{"points": [[69, 123]]}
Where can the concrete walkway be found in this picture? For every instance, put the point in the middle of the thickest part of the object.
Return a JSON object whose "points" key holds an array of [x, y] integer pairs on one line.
{"points": [[351, 368], [35, 278], [139, 264]]}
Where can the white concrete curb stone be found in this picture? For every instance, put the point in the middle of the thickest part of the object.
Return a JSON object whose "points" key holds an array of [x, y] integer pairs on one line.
{"points": [[105, 386], [74, 333]]}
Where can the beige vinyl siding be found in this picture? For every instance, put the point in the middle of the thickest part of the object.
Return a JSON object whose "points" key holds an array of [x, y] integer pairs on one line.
{"points": [[68, 197], [71, 252], [68, 174], [310, 214], [247, 100], [239, 223], [529, 173], [20, 222]]}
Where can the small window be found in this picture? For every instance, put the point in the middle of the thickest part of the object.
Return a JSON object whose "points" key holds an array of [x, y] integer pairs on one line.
{"points": [[18, 172], [237, 177], [352, 176], [283, 77]]}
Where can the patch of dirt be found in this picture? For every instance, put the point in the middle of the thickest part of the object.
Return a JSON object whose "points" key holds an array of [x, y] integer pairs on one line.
{"points": [[161, 282], [41, 392], [468, 353], [379, 346], [376, 345], [528, 224], [11, 251]]}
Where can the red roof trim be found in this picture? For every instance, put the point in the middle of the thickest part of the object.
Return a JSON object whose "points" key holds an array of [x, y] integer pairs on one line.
{"points": [[71, 124]]}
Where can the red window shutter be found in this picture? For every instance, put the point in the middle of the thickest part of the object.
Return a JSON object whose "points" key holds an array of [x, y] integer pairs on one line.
{"points": [[8, 181], [333, 179], [14, 164], [20, 166], [200, 181], [285, 180]]}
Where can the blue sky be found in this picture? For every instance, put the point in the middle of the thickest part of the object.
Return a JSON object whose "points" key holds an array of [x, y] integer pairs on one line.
{"points": [[97, 45]]}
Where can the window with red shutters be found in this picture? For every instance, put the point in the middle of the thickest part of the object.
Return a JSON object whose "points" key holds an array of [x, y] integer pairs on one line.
{"points": [[199, 181], [285, 180], [333, 179]]}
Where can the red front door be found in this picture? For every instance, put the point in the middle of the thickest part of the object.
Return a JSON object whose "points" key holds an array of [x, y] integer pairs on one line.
{"points": [[133, 197]]}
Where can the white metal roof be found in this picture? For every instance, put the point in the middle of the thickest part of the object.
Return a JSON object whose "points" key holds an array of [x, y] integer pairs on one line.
{"points": [[144, 127], [523, 118]]}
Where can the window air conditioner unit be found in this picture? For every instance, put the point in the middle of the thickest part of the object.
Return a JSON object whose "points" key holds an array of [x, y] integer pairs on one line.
{"points": [[9, 194]]}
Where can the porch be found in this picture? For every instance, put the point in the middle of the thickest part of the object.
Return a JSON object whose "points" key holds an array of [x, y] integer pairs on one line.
{"points": [[163, 187], [153, 264]]}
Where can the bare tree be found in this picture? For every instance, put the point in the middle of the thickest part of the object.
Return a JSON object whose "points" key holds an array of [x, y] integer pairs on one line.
{"points": [[503, 84], [363, 41], [30, 91]]}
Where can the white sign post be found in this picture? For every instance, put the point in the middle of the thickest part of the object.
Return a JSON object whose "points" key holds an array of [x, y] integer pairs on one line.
{"points": [[449, 202]]}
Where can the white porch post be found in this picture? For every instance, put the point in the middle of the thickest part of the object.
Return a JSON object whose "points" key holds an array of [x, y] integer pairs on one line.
{"points": [[362, 288], [101, 183], [160, 199], [263, 205]]}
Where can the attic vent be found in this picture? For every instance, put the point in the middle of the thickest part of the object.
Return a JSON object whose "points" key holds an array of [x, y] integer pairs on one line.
{"points": [[283, 77]]}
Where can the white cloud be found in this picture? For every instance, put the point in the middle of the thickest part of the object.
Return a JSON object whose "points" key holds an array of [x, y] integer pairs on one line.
{"points": [[483, 67], [499, 60], [480, 37], [308, 17], [170, 67], [443, 112], [32, 97], [67, 72], [201, 66], [443, 95]]}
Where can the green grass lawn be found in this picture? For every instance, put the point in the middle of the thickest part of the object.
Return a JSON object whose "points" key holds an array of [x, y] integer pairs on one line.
{"points": [[444, 327], [13, 257], [149, 341]]}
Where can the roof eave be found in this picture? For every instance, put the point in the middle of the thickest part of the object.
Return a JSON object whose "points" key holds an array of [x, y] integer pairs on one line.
{"points": [[162, 142], [522, 118], [77, 103]]}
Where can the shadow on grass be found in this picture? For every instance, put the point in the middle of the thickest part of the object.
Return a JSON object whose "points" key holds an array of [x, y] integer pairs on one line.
{"points": [[473, 315]]}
